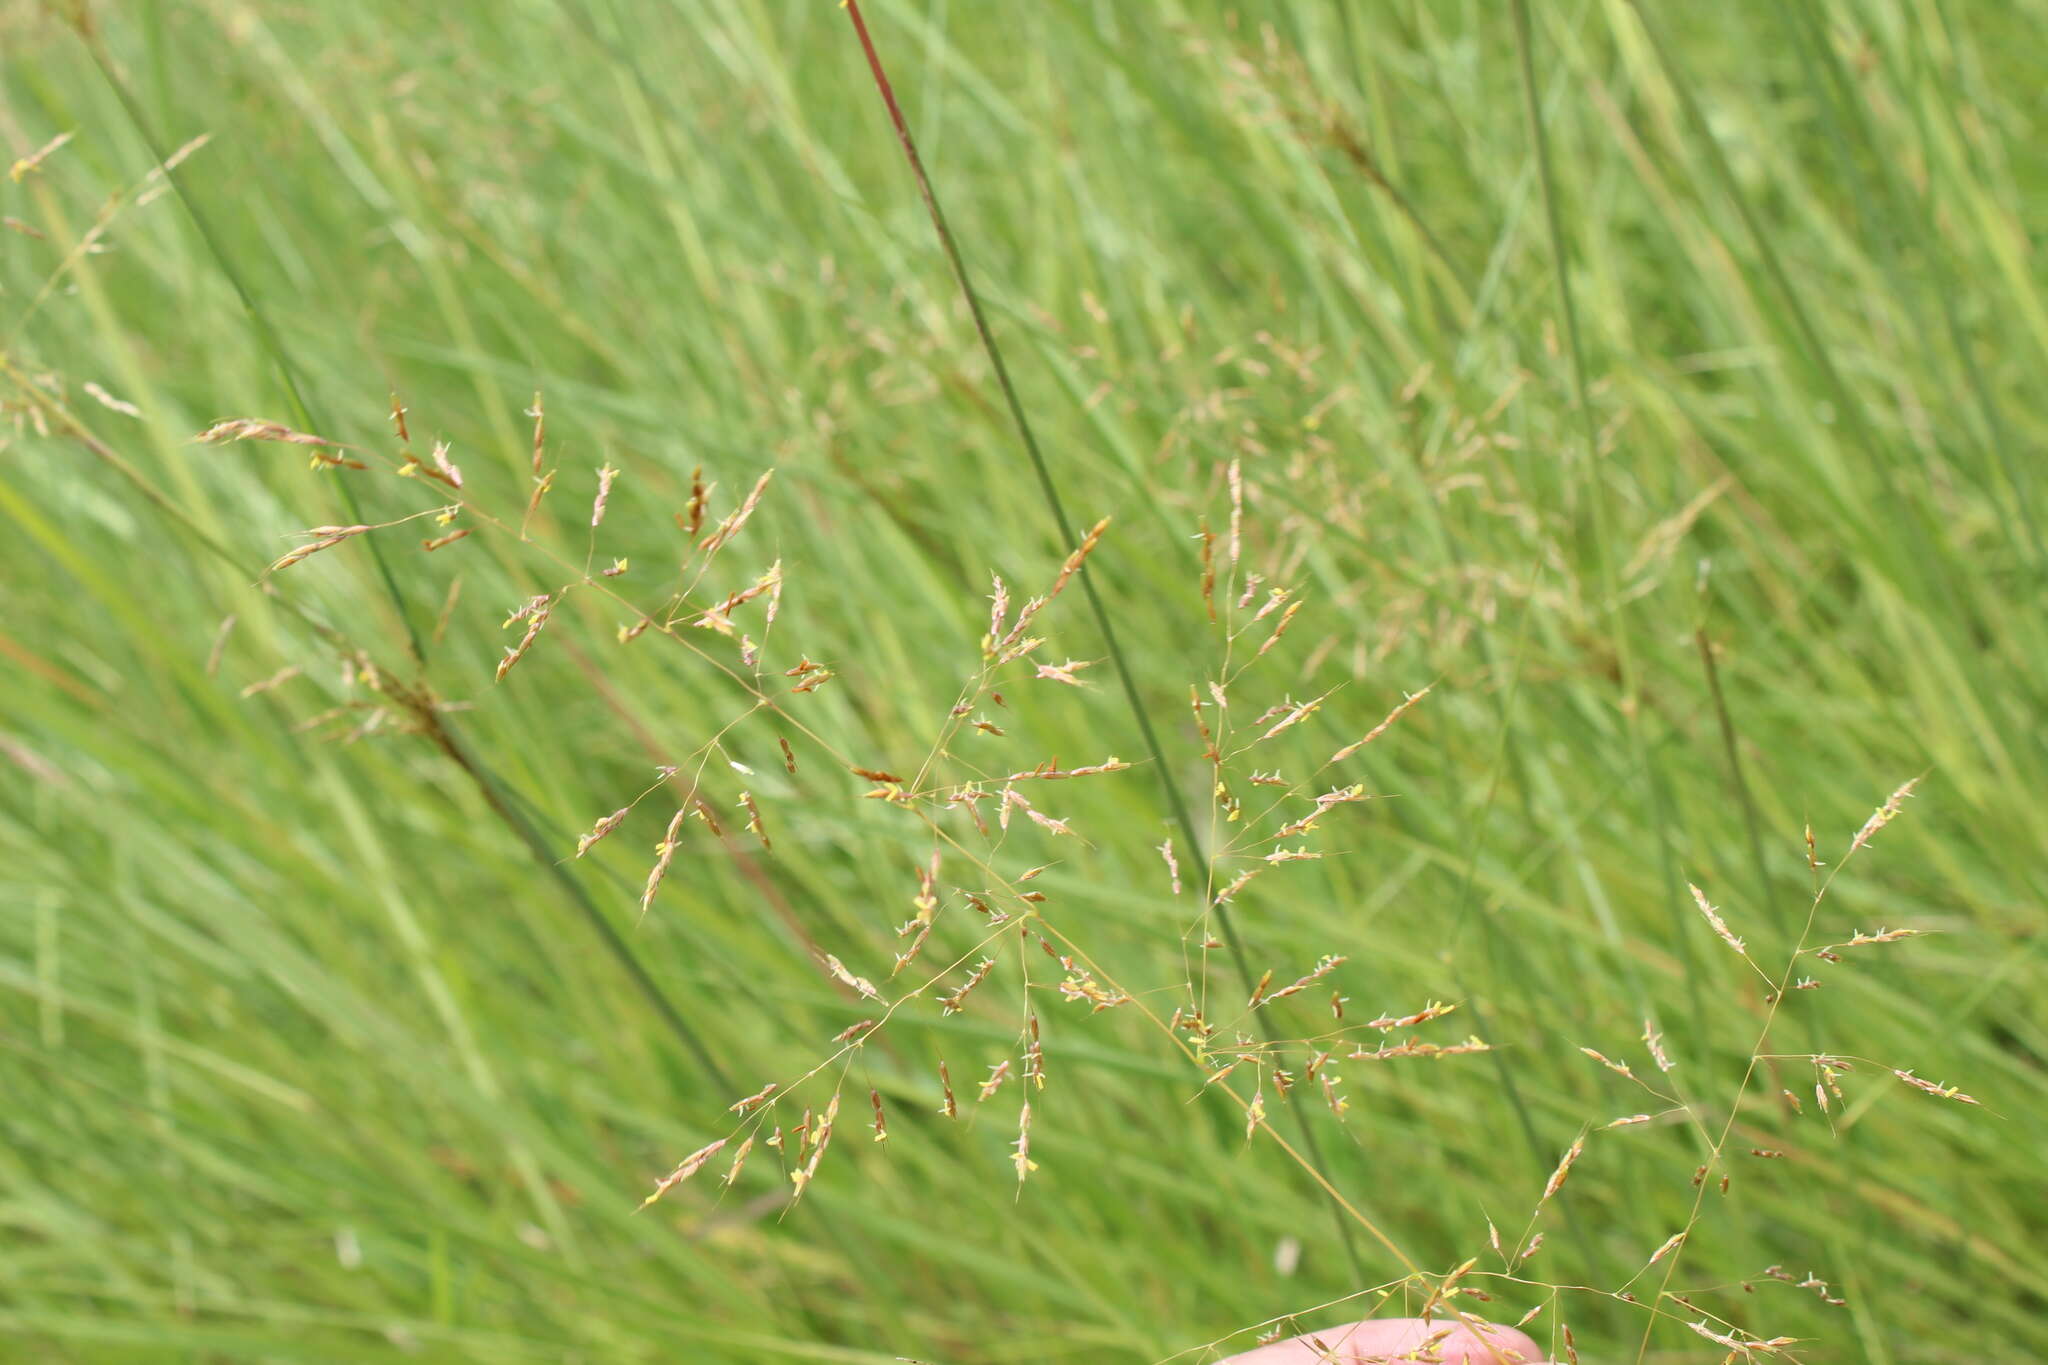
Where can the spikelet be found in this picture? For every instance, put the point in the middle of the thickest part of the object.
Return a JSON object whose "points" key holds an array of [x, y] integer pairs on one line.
{"points": [[108, 401], [1172, 865], [691, 1164], [328, 537], [860, 985], [256, 429], [1022, 1156], [730, 527], [605, 476], [664, 852], [34, 160], [603, 827], [1324, 966], [540, 428], [1380, 729], [1946, 1092], [816, 1139], [450, 473], [1564, 1168], [537, 617], [1714, 920], [1078, 557], [1671, 1244], [691, 521], [957, 1001], [1286, 620], [1034, 1054], [999, 608], [857, 1030], [755, 1100], [1236, 479], [1435, 1009], [1883, 815], [739, 1159], [1654, 1041]]}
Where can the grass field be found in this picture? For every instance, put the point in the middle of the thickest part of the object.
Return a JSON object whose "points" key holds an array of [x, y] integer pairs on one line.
{"points": [[1657, 385]]}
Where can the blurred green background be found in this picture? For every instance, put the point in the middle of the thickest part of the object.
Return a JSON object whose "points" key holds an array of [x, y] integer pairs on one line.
{"points": [[304, 1055]]}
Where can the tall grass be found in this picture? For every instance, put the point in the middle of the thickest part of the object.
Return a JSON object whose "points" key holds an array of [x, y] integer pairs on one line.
{"points": [[1653, 386]]}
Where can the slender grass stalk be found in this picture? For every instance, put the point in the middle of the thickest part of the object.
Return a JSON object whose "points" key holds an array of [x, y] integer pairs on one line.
{"points": [[1176, 801], [259, 321], [490, 787]]}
